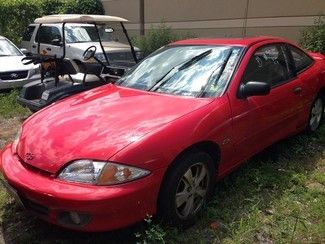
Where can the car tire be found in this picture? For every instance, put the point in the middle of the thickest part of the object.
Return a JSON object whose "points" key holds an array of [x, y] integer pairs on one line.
{"points": [[186, 188], [316, 114]]}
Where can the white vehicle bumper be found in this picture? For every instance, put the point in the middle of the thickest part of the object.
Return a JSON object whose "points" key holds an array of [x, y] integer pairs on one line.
{"points": [[8, 84]]}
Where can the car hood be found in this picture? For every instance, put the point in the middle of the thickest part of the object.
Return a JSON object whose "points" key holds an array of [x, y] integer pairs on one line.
{"points": [[97, 124], [13, 63]]}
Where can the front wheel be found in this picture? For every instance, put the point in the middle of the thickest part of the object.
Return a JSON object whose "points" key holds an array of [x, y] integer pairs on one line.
{"points": [[186, 188], [316, 114]]}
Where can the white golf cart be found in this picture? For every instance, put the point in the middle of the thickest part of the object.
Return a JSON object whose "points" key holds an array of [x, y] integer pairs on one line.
{"points": [[62, 77]]}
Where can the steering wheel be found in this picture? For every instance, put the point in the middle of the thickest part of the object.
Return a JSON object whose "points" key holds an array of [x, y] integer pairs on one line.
{"points": [[89, 53]]}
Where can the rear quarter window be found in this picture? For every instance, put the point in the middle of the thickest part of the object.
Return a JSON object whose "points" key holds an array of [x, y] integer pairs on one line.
{"points": [[301, 60]]}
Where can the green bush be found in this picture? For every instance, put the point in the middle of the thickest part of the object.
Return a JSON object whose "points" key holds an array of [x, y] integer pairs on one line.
{"points": [[82, 7], [51, 6], [313, 37], [157, 37], [16, 15]]}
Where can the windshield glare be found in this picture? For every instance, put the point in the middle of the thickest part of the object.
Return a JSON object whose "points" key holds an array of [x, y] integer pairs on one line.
{"points": [[87, 33], [7, 49], [77, 34], [163, 71]]}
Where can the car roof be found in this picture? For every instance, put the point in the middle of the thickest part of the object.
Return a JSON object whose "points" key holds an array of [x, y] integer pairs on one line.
{"points": [[2, 37], [246, 41], [78, 18]]}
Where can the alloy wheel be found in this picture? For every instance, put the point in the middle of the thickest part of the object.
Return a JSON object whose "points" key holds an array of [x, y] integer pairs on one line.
{"points": [[316, 114], [192, 190]]}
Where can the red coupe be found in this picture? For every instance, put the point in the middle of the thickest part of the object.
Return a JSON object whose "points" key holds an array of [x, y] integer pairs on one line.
{"points": [[157, 140]]}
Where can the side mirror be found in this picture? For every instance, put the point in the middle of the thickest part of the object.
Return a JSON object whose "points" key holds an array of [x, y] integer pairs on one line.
{"points": [[254, 88], [24, 51], [56, 42]]}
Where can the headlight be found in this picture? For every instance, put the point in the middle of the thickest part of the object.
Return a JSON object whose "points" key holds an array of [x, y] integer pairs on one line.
{"points": [[100, 173], [16, 141]]}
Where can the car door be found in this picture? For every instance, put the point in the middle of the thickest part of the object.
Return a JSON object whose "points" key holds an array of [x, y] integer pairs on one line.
{"points": [[259, 121], [50, 40], [301, 63]]}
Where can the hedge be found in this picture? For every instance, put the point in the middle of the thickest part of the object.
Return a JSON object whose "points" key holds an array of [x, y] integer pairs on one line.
{"points": [[16, 15], [313, 37], [82, 7], [157, 37]]}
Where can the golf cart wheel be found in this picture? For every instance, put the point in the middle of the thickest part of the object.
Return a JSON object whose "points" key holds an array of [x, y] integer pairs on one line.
{"points": [[186, 188], [316, 114]]}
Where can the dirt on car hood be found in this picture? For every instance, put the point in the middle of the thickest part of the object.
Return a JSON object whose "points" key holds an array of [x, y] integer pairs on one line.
{"points": [[97, 124]]}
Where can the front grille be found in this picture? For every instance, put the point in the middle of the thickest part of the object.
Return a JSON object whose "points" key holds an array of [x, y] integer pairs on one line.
{"points": [[13, 75], [36, 207], [120, 56]]}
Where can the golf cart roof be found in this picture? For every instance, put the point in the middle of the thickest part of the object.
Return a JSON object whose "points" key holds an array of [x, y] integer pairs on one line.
{"points": [[78, 18]]}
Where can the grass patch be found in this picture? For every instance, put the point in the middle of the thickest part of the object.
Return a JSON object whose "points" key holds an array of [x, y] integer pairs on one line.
{"points": [[9, 107]]}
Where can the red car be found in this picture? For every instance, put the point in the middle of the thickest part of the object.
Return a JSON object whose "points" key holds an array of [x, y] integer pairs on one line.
{"points": [[157, 140]]}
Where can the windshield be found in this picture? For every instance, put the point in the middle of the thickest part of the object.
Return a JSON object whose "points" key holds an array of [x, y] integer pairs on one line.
{"points": [[7, 49], [87, 33], [81, 33], [185, 70]]}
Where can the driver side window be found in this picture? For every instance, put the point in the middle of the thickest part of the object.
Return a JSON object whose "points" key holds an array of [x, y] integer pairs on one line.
{"points": [[47, 34], [268, 64]]}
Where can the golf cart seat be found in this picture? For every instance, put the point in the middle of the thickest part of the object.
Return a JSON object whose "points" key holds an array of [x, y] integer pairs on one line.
{"points": [[67, 66], [62, 66], [64, 80]]}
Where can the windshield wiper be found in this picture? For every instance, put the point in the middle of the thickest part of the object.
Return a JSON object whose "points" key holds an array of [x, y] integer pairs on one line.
{"points": [[180, 67], [195, 59], [222, 67]]}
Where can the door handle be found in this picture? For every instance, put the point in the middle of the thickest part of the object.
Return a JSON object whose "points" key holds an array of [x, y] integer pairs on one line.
{"points": [[48, 49], [33, 46], [297, 90]]}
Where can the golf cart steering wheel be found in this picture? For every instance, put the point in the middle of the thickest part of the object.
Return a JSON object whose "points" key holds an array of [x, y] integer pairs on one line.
{"points": [[89, 53]]}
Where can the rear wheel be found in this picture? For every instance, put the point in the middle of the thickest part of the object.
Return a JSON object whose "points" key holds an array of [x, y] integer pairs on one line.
{"points": [[186, 188], [316, 114]]}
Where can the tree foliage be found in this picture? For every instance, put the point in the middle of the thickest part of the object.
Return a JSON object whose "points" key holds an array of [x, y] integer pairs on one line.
{"points": [[16, 15], [313, 37], [82, 7], [157, 37]]}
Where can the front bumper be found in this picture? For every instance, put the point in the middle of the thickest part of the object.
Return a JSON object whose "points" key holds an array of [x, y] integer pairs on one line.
{"points": [[108, 207]]}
